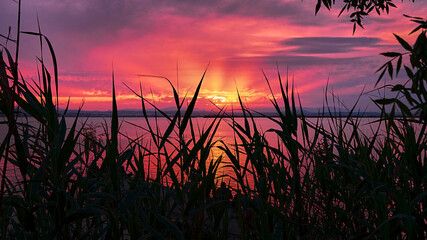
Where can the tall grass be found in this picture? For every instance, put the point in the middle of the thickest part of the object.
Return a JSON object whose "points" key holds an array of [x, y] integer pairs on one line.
{"points": [[322, 179]]}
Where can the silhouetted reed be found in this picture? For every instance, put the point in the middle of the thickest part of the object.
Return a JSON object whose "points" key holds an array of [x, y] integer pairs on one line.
{"points": [[322, 179]]}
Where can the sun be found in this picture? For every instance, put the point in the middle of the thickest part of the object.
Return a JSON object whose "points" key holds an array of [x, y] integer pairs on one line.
{"points": [[217, 100]]}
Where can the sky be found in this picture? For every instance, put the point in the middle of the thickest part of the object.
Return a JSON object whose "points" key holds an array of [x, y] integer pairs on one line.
{"points": [[235, 42]]}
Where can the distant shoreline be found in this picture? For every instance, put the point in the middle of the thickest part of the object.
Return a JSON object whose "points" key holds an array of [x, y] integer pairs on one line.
{"points": [[201, 113], [215, 116]]}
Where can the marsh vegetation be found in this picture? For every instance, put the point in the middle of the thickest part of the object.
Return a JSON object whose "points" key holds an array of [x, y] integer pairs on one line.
{"points": [[321, 179]]}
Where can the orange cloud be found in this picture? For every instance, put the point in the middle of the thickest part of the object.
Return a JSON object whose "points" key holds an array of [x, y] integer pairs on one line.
{"points": [[94, 92], [178, 40]]}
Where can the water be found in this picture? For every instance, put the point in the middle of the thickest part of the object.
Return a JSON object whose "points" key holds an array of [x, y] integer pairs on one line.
{"points": [[136, 128]]}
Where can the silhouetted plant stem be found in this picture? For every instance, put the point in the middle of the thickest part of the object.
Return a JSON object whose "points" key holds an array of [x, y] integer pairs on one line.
{"points": [[9, 93]]}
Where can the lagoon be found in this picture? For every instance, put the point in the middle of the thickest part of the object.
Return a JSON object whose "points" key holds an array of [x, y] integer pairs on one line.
{"points": [[134, 130]]}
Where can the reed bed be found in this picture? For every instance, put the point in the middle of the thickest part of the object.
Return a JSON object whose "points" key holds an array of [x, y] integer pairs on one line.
{"points": [[320, 180]]}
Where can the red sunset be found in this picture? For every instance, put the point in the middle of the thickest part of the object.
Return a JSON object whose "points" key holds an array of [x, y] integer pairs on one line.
{"points": [[196, 119], [235, 41]]}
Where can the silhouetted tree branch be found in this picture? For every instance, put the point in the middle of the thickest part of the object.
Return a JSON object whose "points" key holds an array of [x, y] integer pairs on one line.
{"points": [[359, 8]]}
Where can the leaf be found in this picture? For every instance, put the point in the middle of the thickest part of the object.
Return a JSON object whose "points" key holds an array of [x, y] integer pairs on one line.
{"points": [[318, 6], [398, 87], [409, 72], [342, 10], [418, 198], [169, 130], [126, 156], [130, 197], [68, 146], [419, 18], [391, 54], [327, 4], [190, 108], [391, 4], [404, 108], [390, 69], [99, 195], [397, 216], [415, 29], [385, 101], [402, 42], [381, 76], [169, 225], [398, 65], [82, 214]]}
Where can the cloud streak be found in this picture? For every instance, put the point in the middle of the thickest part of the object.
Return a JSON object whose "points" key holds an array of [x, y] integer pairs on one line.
{"points": [[177, 39], [321, 45]]}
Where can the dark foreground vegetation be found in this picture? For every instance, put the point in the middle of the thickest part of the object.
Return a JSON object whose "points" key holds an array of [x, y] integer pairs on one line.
{"points": [[320, 180]]}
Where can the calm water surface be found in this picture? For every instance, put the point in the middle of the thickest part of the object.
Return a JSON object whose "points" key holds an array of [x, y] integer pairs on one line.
{"points": [[133, 128]]}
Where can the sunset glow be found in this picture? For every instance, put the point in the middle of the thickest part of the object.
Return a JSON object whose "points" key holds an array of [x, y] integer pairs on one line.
{"points": [[235, 42]]}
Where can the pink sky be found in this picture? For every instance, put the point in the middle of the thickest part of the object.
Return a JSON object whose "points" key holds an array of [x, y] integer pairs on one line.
{"points": [[238, 39]]}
